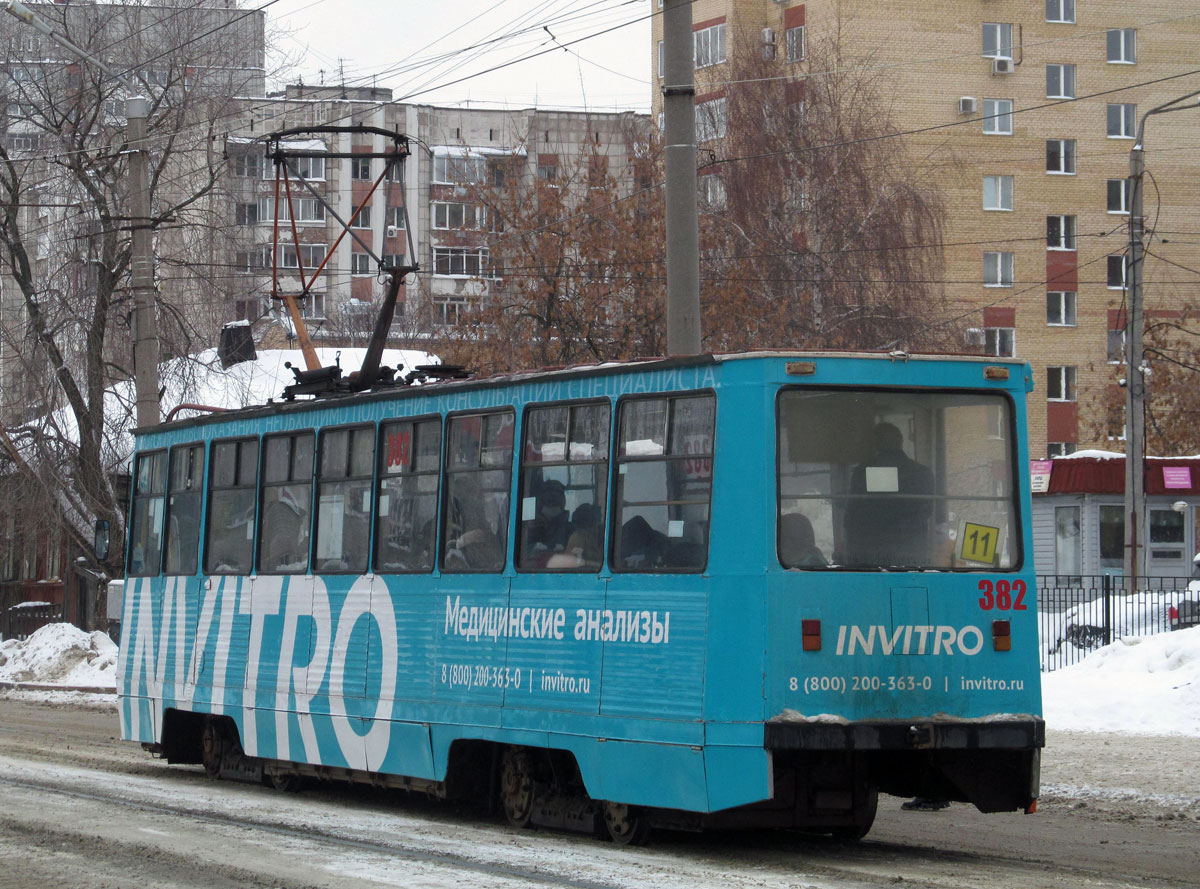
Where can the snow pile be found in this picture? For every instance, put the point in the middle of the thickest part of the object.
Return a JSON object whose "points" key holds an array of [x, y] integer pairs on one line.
{"points": [[61, 654], [1147, 685]]}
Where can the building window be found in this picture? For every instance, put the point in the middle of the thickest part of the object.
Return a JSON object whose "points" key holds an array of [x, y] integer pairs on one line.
{"points": [[1116, 346], [250, 261], [547, 172], [1060, 11], [1116, 271], [310, 168], [360, 264], [1060, 448], [1122, 45], [360, 168], [1060, 308], [797, 44], [1068, 543], [997, 40], [997, 192], [998, 117], [246, 214], [307, 210], [709, 46], [1060, 232], [362, 219], [662, 60], [997, 269], [999, 341], [1060, 156], [1112, 537], [449, 170], [712, 192], [710, 120], [314, 305], [1060, 383], [1118, 195], [452, 215], [312, 255], [1060, 81], [468, 261], [1121, 121], [1167, 534], [249, 166], [395, 217], [449, 312]]}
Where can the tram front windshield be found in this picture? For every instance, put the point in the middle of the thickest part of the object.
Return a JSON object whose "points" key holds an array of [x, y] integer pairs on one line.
{"points": [[877, 480]]}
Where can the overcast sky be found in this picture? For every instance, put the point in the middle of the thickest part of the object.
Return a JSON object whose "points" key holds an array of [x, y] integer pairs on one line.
{"points": [[427, 51]]}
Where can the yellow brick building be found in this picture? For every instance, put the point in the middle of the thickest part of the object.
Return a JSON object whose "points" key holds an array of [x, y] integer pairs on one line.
{"points": [[1028, 110]]}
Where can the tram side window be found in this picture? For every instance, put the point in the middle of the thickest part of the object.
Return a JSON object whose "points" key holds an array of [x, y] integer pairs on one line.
{"points": [[286, 503], [564, 483], [663, 484], [183, 509], [146, 530], [233, 491], [478, 475], [409, 466], [344, 500]]}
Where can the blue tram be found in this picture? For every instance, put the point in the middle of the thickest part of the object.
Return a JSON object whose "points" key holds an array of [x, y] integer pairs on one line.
{"points": [[755, 589]]}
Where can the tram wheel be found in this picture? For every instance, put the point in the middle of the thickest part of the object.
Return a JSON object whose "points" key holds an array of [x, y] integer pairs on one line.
{"points": [[627, 825], [287, 782], [212, 747], [864, 817], [516, 786]]}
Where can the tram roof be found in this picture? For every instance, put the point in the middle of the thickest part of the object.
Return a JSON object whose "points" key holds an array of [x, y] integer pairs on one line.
{"points": [[278, 406]]}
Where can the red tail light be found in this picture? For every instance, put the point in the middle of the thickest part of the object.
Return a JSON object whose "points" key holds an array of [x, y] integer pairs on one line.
{"points": [[810, 635], [1001, 635]]}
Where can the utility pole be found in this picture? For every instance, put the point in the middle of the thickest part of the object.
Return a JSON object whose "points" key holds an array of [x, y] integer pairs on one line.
{"points": [[141, 259], [1135, 362], [683, 226]]}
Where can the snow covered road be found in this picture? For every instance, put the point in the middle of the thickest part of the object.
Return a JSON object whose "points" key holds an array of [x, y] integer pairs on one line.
{"points": [[78, 807]]}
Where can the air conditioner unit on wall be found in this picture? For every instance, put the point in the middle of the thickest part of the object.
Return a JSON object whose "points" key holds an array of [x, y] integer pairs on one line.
{"points": [[967, 105], [1002, 66]]}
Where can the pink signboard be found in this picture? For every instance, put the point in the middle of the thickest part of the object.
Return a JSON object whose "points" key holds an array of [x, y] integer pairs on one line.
{"points": [[1039, 471], [1177, 476]]}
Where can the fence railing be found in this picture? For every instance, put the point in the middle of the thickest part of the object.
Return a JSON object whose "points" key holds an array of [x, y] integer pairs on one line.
{"points": [[1077, 615], [21, 621]]}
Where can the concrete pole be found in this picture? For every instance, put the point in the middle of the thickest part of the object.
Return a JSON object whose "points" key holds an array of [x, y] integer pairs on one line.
{"points": [[1135, 382], [141, 267], [683, 227]]}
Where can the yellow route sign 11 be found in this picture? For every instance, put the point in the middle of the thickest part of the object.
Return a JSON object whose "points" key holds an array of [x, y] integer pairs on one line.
{"points": [[977, 543]]}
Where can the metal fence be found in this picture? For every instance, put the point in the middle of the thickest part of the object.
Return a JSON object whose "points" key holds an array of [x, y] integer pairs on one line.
{"points": [[21, 621], [1077, 615]]}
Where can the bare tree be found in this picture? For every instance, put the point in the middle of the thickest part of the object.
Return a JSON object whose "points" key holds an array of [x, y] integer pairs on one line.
{"points": [[65, 239], [819, 229], [576, 263]]}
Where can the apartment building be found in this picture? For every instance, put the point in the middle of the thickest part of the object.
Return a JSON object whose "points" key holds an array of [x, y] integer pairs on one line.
{"points": [[453, 151], [1027, 110]]}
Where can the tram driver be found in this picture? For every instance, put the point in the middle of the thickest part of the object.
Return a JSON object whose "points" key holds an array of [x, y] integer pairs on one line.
{"points": [[888, 518]]}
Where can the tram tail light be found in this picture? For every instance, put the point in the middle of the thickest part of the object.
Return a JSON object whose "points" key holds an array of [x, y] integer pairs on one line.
{"points": [[1001, 635], [810, 635]]}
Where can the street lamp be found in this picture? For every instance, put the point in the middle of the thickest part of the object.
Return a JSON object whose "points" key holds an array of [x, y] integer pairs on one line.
{"points": [[1135, 370]]}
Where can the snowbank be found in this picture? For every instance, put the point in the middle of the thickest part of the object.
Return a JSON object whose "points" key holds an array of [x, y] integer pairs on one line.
{"points": [[61, 654], [1147, 685]]}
